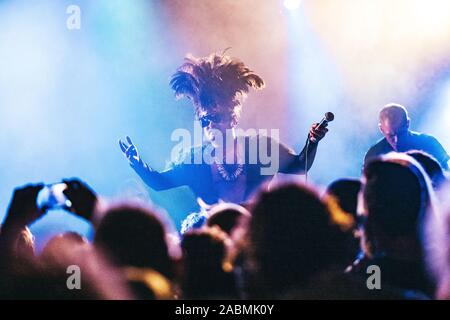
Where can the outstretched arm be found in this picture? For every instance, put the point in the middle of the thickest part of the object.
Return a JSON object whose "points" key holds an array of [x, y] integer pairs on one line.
{"points": [[296, 163], [168, 179]]}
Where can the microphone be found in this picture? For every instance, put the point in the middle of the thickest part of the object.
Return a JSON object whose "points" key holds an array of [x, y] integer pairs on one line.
{"points": [[329, 116]]}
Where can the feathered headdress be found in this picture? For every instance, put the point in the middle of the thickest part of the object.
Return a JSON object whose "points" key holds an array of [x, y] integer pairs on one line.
{"points": [[213, 82]]}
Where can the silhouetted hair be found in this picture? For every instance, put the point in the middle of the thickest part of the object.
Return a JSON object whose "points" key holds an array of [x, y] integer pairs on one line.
{"points": [[24, 246], [148, 284], [91, 276], [215, 81], [203, 258], [431, 166], [51, 251], [437, 243], [346, 193], [226, 216], [132, 235], [293, 235], [342, 194], [396, 196]]}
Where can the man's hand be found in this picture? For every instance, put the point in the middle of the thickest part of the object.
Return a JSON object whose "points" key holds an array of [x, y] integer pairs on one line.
{"points": [[23, 209], [316, 133], [83, 198], [130, 151]]}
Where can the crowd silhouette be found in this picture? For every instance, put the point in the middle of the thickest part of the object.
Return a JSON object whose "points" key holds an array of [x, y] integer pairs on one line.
{"points": [[288, 242]]}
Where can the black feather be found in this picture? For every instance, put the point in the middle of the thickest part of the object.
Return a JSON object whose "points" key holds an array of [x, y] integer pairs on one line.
{"points": [[215, 80]]}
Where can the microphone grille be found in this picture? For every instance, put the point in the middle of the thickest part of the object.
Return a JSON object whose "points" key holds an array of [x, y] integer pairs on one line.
{"points": [[329, 116]]}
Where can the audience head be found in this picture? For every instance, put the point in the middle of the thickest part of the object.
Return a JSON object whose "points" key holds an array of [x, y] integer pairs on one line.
{"points": [[132, 235], [345, 192], [431, 167], [288, 242], [204, 253], [24, 245], [395, 197], [22, 254], [342, 194], [226, 216], [78, 272], [52, 250], [148, 284], [437, 243], [293, 235]]}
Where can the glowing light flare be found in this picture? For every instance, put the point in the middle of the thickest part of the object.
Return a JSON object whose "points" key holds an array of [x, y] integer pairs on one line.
{"points": [[292, 4], [434, 122], [383, 49]]}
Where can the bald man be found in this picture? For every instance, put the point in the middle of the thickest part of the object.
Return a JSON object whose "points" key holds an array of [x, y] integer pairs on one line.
{"points": [[394, 125]]}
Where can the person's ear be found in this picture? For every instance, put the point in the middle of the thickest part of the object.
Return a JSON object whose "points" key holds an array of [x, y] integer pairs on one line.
{"points": [[379, 127]]}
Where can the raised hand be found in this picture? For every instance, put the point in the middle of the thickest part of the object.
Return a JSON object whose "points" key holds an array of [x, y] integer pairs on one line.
{"points": [[23, 209], [82, 197], [317, 133], [130, 151]]}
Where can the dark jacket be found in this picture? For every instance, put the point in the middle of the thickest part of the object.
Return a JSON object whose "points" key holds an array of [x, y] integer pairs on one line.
{"points": [[198, 176]]}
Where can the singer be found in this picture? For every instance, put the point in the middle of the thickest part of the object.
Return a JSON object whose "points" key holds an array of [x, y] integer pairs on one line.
{"points": [[217, 86]]}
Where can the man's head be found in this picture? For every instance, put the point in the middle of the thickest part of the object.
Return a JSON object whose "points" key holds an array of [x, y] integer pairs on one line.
{"points": [[396, 194], [217, 85], [394, 124]]}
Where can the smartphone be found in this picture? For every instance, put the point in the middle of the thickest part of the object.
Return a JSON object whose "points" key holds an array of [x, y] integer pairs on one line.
{"points": [[53, 197]]}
